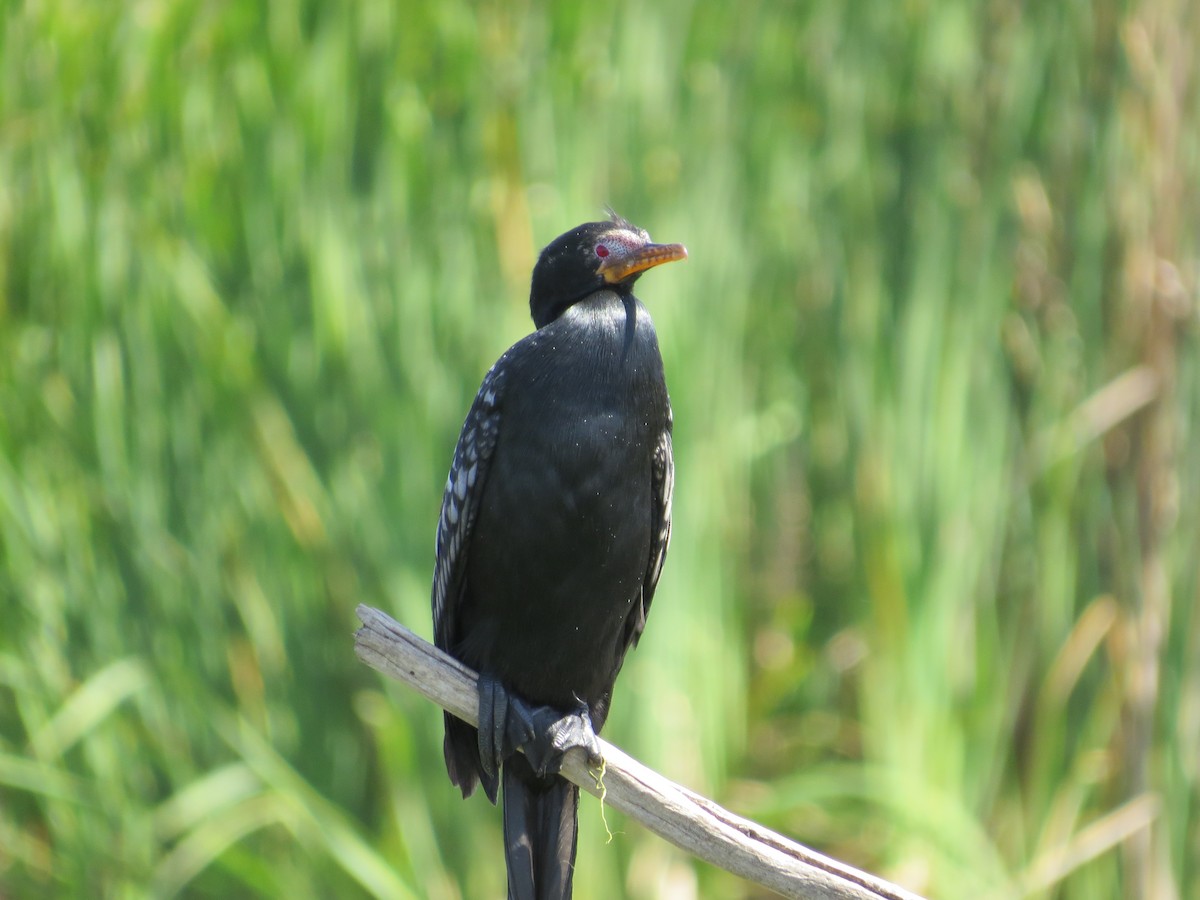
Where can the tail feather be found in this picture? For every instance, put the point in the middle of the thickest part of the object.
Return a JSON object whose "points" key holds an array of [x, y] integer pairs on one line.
{"points": [[461, 752], [540, 822]]}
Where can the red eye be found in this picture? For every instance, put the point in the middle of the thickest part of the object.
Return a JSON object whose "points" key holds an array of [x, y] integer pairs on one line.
{"points": [[601, 251]]}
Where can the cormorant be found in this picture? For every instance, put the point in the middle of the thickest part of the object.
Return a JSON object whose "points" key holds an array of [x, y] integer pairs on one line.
{"points": [[553, 530]]}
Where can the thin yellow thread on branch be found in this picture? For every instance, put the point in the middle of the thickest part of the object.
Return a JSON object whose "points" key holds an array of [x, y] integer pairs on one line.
{"points": [[598, 777]]}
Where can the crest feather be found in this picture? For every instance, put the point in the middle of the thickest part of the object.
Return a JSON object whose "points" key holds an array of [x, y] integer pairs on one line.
{"points": [[619, 220]]}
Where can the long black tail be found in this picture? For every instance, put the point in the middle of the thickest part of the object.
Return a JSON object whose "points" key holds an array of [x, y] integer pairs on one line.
{"points": [[540, 820]]}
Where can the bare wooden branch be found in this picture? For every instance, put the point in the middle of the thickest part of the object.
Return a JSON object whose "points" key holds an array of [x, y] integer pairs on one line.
{"points": [[689, 821]]}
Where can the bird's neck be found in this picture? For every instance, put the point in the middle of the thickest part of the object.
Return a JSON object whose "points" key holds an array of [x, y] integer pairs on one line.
{"points": [[609, 322]]}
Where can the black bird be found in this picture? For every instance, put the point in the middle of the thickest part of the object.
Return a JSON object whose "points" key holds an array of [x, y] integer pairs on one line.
{"points": [[554, 526]]}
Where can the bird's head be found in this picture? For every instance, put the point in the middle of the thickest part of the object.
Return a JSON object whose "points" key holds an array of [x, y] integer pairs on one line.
{"points": [[592, 257]]}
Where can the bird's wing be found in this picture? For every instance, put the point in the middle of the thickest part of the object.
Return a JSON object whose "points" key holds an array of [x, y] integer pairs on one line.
{"points": [[460, 503], [663, 486]]}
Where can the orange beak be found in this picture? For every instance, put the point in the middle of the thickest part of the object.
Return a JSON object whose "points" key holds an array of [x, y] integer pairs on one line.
{"points": [[617, 267]]}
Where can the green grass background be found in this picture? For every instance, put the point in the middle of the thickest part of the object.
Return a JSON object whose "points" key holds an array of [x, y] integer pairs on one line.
{"points": [[931, 604]]}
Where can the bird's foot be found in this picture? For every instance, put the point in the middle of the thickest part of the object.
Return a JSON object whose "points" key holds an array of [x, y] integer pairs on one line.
{"points": [[507, 723], [556, 733]]}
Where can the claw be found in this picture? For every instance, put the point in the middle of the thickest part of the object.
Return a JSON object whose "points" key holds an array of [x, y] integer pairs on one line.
{"points": [[581, 734], [557, 734]]}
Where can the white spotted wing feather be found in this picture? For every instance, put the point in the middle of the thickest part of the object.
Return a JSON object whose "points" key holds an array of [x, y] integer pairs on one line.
{"points": [[464, 486]]}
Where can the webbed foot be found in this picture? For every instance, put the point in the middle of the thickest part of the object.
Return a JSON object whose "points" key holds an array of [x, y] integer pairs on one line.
{"points": [[508, 723]]}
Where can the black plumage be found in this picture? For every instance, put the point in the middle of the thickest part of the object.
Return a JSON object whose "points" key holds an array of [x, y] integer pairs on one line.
{"points": [[554, 526]]}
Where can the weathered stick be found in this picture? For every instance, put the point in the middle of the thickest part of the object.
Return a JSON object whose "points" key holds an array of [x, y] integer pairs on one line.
{"points": [[687, 820]]}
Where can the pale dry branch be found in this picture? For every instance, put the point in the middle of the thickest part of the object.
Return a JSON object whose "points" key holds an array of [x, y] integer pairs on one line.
{"points": [[689, 821]]}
